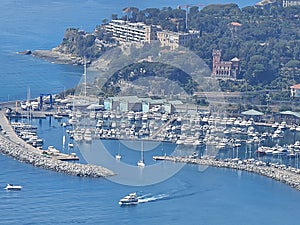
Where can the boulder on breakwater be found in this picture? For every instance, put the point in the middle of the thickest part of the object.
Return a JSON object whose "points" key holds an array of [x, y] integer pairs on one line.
{"points": [[281, 173]]}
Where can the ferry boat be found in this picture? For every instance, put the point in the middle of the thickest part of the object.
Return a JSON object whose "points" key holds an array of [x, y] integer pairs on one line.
{"points": [[130, 199], [11, 187]]}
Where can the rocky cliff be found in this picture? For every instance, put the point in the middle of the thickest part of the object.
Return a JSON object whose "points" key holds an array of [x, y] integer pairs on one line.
{"points": [[76, 45]]}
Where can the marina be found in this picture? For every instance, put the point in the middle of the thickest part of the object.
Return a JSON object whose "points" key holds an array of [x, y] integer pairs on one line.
{"points": [[238, 140]]}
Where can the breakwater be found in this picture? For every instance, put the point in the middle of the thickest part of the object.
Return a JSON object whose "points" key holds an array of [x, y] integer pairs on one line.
{"points": [[281, 173], [9, 148]]}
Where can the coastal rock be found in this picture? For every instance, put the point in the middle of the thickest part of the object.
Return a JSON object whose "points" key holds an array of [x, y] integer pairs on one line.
{"points": [[58, 57], [76, 45]]}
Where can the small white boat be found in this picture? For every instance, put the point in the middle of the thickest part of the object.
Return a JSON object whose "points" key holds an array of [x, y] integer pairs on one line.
{"points": [[11, 187], [130, 199], [118, 157], [141, 164]]}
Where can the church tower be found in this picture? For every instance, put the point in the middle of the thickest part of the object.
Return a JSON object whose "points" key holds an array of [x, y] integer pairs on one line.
{"points": [[216, 61]]}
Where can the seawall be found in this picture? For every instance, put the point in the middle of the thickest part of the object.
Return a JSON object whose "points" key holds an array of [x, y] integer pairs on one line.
{"points": [[281, 173]]}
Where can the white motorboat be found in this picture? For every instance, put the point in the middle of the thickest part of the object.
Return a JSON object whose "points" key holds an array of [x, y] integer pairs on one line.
{"points": [[11, 187], [118, 156], [130, 199], [141, 163]]}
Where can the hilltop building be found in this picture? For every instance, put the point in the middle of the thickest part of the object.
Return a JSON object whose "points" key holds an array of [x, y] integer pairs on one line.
{"points": [[295, 91], [175, 39], [234, 27], [287, 3], [125, 31], [224, 69]]}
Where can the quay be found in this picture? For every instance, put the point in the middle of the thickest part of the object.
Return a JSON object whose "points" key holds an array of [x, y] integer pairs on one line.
{"points": [[281, 173], [13, 146]]}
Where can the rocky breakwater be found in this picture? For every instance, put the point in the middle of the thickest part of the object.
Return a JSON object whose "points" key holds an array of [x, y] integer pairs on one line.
{"points": [[281, 173], [22, 154]]}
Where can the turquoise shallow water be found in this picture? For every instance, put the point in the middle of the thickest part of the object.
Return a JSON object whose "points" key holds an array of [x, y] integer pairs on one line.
{"points": [[192, 196]]}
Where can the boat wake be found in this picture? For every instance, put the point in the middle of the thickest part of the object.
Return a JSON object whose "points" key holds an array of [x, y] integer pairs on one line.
{"points": [[149, 198]]}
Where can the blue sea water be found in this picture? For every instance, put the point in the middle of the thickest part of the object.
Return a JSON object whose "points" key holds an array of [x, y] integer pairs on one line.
{"points": [[192, 196]]}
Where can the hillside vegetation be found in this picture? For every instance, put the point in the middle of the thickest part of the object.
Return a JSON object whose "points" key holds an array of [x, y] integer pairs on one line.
{"points": [[267, 42]]}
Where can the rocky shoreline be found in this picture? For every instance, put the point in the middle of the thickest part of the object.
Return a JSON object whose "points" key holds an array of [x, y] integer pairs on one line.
{"points": [[16, 151], [281, 173], [56, 56]]}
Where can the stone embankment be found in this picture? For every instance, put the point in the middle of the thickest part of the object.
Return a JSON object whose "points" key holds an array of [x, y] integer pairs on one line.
{"points": [[20, 153], [281, 173]]}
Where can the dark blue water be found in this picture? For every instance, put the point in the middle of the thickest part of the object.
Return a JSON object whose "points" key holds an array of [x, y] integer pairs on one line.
{"points": [[192, 196]]}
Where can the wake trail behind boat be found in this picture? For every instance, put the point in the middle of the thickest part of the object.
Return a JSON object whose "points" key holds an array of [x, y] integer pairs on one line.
{"points": [[144, 198]]}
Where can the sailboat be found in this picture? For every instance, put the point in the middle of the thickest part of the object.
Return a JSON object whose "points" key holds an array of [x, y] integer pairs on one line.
{"points": [[118, 156], [141, 163]]}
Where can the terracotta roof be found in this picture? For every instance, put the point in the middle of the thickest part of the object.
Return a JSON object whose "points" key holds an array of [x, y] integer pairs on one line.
{"points": [[297, 86], [235, 24]]}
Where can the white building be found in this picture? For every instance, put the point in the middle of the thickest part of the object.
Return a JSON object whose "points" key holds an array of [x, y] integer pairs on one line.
{"points": [[287, 3], [125, 31], [175, 39], [295, 91]]}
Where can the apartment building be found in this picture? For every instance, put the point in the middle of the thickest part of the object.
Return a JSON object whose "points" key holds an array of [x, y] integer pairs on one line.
{"points": [[125, 31]]}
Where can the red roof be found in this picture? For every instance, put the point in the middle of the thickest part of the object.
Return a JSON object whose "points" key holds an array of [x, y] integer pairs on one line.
{"points": [[297, 86], [236, 24]]}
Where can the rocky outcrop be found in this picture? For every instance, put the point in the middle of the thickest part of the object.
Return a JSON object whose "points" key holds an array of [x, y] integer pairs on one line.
{"points": [[76, 45], [56, 56]]}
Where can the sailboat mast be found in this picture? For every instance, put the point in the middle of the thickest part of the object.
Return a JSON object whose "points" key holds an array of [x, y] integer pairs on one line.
{"points": [[84, 79], [142, 152]]}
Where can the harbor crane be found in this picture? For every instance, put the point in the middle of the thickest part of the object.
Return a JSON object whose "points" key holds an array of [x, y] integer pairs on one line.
{"points": [[187, 7]]}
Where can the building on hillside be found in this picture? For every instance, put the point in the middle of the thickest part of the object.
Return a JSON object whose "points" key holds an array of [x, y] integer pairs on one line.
{"points": [[224, 69], [234, 27], [265, 3], [125, 31], [295, 91], [175, 39], [287, 3]]}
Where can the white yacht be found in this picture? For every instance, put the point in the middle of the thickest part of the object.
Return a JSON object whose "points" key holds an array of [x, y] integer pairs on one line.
{"points": [[11, 187], [130, 199]]}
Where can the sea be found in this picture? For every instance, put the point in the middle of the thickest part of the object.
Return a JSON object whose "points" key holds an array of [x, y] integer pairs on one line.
{"points": [[192, 195]]}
